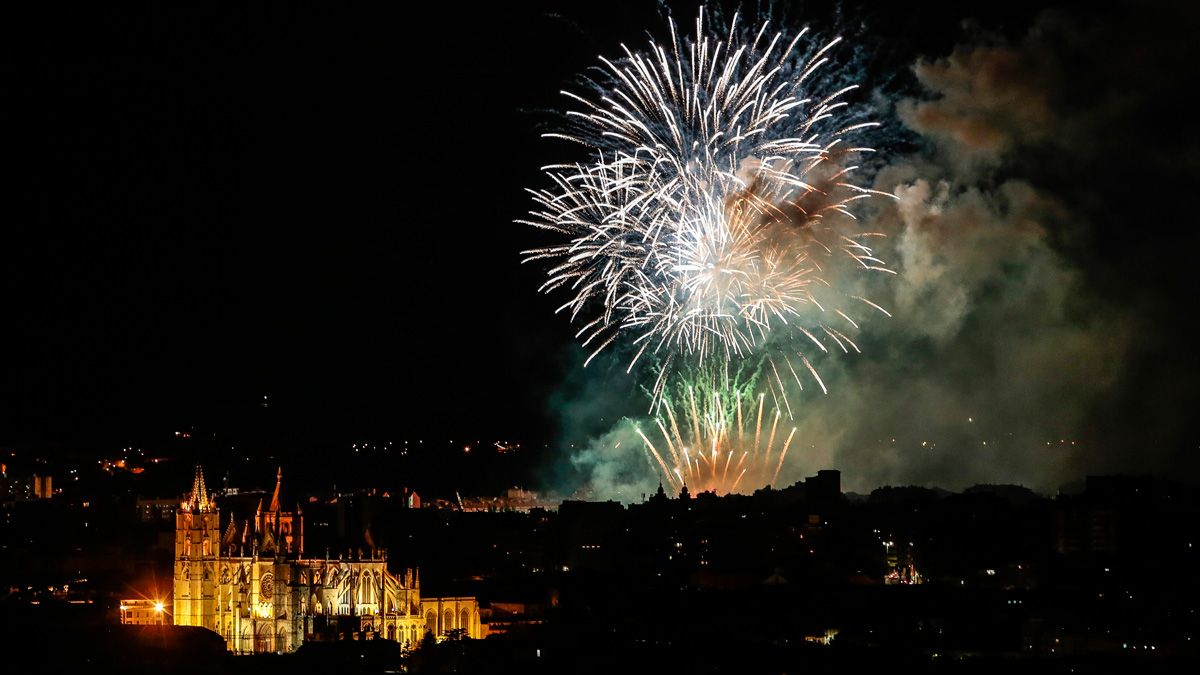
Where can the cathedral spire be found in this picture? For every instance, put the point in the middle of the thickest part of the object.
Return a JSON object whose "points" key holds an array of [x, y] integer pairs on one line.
{"points": [[198, 500], [275, 497], [230, 533]]}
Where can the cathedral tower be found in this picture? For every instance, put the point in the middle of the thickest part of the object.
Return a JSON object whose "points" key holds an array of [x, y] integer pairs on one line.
{"points": [[197, 534]]}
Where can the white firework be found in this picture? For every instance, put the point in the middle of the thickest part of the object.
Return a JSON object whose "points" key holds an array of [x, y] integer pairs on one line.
{"points": [[715, 204]]}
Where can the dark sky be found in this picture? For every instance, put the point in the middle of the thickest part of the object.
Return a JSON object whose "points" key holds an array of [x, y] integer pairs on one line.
{"points": [[208, 205]]}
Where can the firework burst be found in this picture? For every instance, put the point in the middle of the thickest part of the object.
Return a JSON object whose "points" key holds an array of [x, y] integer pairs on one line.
{"points": [[718, 442], [716, 203]]}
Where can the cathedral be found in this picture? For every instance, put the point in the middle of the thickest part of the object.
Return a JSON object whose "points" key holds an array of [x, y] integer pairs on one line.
{"points": [[250, 582]]}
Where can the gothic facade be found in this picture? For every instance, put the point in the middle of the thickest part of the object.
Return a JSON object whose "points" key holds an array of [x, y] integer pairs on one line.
{"points": [[250, 582]]}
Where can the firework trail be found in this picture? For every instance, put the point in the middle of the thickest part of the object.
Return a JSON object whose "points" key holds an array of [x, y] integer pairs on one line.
{"points": [[715, 206], [718, 439]]}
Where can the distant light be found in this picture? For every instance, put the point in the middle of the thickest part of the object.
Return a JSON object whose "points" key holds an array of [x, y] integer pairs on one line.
{"points": [[158, 607]]}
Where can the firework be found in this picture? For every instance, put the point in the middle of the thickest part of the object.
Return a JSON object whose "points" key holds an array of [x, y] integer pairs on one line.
{"points": [[715, 206], [719, 442]]}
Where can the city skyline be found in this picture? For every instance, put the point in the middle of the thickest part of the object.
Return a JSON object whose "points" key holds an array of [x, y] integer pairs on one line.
{"points": [[558, 337]]}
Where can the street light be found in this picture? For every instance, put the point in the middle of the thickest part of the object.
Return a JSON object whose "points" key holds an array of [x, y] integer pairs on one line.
{"points": [[158, 609]]}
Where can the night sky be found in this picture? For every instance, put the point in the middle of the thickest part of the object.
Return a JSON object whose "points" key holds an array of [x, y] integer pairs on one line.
{"points": [[209, 205]]}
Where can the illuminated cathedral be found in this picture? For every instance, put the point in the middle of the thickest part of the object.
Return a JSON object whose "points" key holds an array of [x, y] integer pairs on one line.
{"points": [[249, 582]]}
